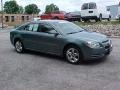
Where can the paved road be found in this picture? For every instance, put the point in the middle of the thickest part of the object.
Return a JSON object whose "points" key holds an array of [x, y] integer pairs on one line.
{"points": [[35, 71]]}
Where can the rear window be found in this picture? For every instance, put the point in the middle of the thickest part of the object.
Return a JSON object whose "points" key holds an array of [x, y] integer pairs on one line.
{"points": [[84, 6], [92, 6]]}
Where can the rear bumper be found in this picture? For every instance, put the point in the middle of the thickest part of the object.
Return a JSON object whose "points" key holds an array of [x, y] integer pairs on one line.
{"points": [[89, 17]]}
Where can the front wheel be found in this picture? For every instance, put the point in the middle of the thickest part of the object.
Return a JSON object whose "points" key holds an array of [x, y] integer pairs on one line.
{"points": [[73, 55], [19, 46]]}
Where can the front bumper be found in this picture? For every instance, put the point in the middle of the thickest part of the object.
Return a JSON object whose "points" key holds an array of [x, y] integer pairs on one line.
{"points": [[92, 54]]}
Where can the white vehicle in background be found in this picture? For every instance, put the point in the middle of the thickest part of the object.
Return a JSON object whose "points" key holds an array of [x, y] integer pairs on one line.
{"points": [[94, 11], [36, 19]]}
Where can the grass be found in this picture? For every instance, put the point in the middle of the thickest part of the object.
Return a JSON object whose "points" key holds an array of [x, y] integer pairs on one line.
{"points": [[98, 23]]}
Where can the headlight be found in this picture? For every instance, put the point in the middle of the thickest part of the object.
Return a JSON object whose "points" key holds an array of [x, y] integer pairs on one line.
{"points": [[93, 44]]}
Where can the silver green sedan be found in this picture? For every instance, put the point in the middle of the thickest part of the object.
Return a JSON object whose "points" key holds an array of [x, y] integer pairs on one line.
{"points": [[61, 38]]}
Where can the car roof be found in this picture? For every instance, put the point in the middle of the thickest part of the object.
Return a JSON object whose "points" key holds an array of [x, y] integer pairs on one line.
{"points": [[49, 21]]}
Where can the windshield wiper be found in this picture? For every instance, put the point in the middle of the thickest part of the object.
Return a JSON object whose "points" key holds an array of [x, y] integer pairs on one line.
{"points": [[74, 32]]}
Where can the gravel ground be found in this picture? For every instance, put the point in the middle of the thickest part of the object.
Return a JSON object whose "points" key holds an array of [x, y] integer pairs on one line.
{"points": [[109, 30]]}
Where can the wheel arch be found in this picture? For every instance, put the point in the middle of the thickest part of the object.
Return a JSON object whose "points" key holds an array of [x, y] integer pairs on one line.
{"points": [[72, 44], [16, 39]]}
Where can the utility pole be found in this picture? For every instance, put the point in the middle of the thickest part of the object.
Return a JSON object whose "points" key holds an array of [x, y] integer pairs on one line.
{"points": [[2, 12]]}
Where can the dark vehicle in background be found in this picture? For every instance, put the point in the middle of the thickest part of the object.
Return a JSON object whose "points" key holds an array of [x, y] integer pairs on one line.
{"points": [[73, 16], [61, 38], [54, 15]]}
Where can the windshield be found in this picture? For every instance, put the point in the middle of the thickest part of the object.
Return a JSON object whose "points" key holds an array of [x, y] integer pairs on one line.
{"points": [[68, 27]]}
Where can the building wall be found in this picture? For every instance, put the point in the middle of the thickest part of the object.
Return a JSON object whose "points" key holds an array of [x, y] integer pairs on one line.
{"points": [[17, 19], [113, 11]]}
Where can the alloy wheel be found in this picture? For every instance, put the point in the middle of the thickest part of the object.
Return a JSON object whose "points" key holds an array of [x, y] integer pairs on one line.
{"points": [[19, 46], [72, 55]]}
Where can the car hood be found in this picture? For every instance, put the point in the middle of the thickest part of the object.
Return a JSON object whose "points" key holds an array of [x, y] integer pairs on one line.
{"points": [[89, 36]]}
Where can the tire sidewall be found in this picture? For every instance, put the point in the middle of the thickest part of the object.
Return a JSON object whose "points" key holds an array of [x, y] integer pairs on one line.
{"points": [[22, 46], [79, 51]]}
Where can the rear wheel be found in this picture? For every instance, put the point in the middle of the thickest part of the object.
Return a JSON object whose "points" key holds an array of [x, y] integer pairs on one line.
{"points": [[19, 46], [109, 18], [100, 18], [85, 20], [73, 55], [79, 19]]}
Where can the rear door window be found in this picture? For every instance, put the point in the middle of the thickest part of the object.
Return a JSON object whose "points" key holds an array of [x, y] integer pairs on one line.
{"points": [[35, 27], [85, 6], [92, 5], [29, 27]]}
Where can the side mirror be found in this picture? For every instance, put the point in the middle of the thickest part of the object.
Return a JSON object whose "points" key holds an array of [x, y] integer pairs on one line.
{"points": [[53, 32]]}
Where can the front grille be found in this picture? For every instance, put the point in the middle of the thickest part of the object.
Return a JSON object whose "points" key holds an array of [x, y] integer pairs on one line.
{"points": [[106, 44], [107, 47]]}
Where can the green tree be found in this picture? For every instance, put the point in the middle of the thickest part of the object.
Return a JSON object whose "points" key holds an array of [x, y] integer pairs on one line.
{"points": [[51, 8], [21, 10], [32, 9], [11, 7]]}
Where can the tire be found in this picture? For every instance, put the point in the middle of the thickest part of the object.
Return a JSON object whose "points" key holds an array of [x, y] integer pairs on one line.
{"points": [[85, 20], [73, 54], [19, 46], [109, 19], [79, 20], [100, 17], [96, 20]]}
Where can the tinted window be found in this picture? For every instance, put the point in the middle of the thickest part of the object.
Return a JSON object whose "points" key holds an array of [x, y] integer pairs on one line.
{"points": [[45, 28], [29, 27], [92, 6], [36, 27], [85, 6]]}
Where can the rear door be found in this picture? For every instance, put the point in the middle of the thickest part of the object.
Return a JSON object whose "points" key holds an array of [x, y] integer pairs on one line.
{"points": [[84, 10], [29, 35], [89, 9]]}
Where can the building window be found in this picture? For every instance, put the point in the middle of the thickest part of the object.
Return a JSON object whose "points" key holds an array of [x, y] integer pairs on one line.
{"points": [[6, 18], [12, 18], [27, 18], [23, 18]]}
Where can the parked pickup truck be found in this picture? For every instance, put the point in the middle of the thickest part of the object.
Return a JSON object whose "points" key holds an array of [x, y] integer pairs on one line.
{"points": [[54, 15]]}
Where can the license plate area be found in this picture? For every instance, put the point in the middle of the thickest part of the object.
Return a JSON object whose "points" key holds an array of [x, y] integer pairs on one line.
{"points": [[90, 11]]}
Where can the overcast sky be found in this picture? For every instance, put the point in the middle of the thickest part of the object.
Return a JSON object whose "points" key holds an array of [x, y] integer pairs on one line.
{"points": [[65, 5]]}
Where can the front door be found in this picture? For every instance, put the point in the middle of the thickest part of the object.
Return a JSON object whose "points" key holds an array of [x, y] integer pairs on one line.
{"points": [[47, 40]]}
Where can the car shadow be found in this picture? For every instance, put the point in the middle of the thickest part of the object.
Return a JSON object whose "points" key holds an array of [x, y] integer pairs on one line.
{"points": [[58, 58], [44, 55], [95, 61]]}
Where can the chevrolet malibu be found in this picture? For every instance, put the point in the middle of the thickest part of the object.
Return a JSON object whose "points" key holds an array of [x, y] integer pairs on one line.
{"points": [[61, 38]]}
